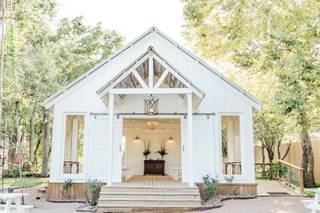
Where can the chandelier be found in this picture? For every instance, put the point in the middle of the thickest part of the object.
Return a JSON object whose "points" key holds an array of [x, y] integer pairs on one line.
{"points": [[152, 124], [151, 105]]}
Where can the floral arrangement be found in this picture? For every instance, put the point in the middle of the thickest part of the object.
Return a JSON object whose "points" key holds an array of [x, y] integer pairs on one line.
{"points": [[162, 150], [146, 151]]}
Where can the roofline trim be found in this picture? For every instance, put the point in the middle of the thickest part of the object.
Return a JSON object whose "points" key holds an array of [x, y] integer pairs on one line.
{"points": [[50, 101]]}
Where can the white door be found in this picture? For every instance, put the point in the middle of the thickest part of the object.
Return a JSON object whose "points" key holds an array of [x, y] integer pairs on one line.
{"points": [[97, 163], [117, 154], [203, 147]]}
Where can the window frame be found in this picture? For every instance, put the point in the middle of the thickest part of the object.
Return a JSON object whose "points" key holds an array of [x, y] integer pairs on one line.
{"points": [[221, 176], [85, 148]]}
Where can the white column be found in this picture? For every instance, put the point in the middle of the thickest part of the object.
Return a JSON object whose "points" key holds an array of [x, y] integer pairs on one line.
{"points": [[110, 140], [150, 71], [190, 142]]}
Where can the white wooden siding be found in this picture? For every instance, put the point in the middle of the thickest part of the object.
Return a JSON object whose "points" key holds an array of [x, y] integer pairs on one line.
{"points": [[220, 97]]}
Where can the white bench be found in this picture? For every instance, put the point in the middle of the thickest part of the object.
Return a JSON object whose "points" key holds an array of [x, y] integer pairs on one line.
{"points": [[11, 198]]}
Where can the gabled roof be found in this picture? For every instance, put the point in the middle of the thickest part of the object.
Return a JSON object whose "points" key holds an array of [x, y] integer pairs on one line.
{"points": [[113, 82], [49, 102]]}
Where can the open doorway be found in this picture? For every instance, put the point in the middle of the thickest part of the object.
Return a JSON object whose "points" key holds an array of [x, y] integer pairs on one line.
{"points": [[154, 136]]}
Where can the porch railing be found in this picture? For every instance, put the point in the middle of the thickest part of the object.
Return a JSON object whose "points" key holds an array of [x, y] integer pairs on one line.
{"points": [[264, 170], [71, 167], [294, 175]]}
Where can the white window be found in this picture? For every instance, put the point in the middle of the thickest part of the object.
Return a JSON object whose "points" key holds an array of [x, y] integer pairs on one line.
{"points": [[73, 146], [230, 145]]}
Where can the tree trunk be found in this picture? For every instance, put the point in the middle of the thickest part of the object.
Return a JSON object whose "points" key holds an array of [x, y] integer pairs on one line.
{"points": [[15, 139], [39, 139], [46, 132], [307, 159], [270, 151], [278, 149], [31, 133], [12, 153], [286, 153]]}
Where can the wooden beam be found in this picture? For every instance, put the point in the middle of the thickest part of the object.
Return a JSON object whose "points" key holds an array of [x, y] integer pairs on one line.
{"points": [[122, 75], [151, 91], [161, 79], [115, 83], [150, 71], [145, 71], [140, 80], [178, 76], [133, 83]]}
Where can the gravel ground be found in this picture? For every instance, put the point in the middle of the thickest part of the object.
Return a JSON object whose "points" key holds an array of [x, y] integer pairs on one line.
{"points": [[42, 206], [261, 205]]}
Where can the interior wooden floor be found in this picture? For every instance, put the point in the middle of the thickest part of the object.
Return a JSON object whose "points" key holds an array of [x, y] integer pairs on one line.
{"points": [[152, 181]]}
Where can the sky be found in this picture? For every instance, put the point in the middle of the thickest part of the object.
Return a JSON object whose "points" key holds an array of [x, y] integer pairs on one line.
{"points": [[129, 17]]}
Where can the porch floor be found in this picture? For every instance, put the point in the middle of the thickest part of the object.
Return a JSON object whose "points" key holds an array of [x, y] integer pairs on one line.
{"points": [[151, 181]]}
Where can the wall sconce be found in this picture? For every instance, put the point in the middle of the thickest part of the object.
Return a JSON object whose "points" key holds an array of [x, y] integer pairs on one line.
{"points": [[170, 140], [136, 139]]}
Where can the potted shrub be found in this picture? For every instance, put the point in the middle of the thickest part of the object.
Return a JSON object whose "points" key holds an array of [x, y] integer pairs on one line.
{"points": [[66, 189], [146, 150], [92, 192], [163, 150], [208, 189]]}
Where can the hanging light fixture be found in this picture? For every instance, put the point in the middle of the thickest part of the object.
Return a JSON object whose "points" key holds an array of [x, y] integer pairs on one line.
{"points": [[151, 105], [152, 124]]}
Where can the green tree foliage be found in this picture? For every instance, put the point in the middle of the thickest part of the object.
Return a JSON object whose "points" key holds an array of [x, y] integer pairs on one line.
{"points": [[270, 130], [277, 39], [81, 46], [39, 59]]}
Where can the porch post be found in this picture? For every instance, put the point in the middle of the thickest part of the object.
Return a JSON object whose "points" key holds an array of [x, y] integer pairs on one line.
{"points": [[110, 140], [190, 142]]}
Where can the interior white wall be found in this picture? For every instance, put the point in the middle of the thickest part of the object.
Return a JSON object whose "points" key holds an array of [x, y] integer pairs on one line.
{"points": [[134, 159]]}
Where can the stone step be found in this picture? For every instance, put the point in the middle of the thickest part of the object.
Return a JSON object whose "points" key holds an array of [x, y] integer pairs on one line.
{"points": [[146, 195], [149, 203], [128, 208], [117, 198], [148, 199], [146, 189]]}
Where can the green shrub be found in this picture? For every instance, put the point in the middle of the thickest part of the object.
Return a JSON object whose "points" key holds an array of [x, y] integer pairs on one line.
{"points": [[92, 192], [65, 192], [11, 173], [278, 171], [208, 188]]}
